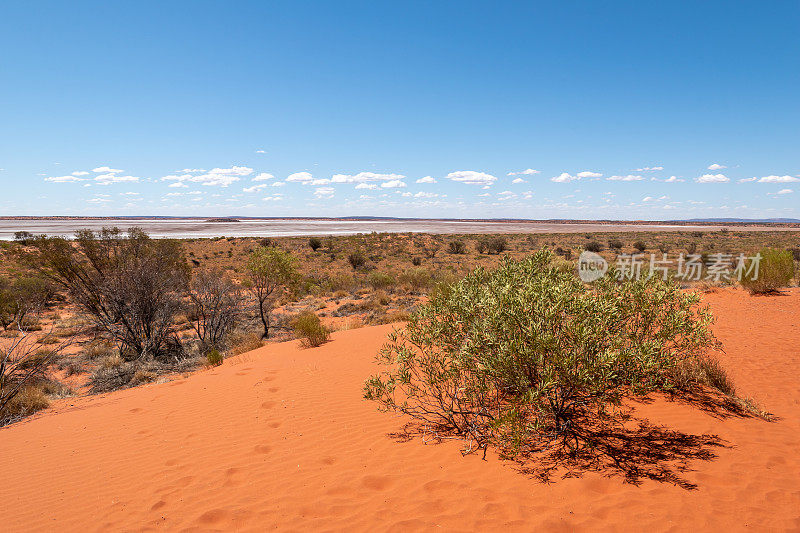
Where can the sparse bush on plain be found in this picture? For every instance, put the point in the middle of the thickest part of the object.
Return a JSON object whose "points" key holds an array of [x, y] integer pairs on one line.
{"points": [[310, 329], [380, 280], [640, 246], [356, 259], [416, 261], [775, 271], [593, 246], [526, 353], [456, 247], [315, 243], [497, 244], [416, 278], [615, 244]]}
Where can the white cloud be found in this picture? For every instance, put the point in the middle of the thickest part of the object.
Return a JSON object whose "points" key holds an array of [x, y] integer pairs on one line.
{"points": [[324, 192], [108, 179], [393, 184], [426, 195], [320, 181], [177, 184], [673, 179], [365, 177], [278, 184], [647, 199], [261, 151], [426, 179], [300, 177], [254, 188], [648, 169], [778, 179], [80, 173], [716, 166], [589, 174], [713, 178], [526, 172], [472, 177], [366, 186], [629, 177], [221, 177], [63, 179], [191, 170], [785, 191], [264, 176], [273, 198], [518, 180], [564, 177], [747, 180], [106, 170]]}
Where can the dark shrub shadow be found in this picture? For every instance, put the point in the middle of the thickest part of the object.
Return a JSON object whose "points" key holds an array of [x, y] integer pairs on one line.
{"points": [[622, 445]]}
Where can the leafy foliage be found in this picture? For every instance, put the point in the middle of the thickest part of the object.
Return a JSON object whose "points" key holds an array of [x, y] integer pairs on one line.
{"points": [[527, 352], [775, 270], [271, 271], [308, 327]]}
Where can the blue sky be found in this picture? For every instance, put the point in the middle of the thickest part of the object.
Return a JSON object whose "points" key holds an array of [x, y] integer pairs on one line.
{"points": [[617, 110]]}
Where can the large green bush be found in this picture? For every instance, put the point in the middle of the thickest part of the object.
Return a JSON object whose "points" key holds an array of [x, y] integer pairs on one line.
{"points": [[529, 352], [775, 270]]}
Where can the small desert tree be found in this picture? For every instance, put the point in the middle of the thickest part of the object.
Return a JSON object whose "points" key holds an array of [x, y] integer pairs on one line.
{"points": [[129, 285], [271, 271], [214, 302], [21, 297], [527, 353]]}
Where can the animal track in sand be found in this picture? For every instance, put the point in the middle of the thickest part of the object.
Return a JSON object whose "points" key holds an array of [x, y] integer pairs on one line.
{"points": [[376, 482], [268, 404], [262, 448]]}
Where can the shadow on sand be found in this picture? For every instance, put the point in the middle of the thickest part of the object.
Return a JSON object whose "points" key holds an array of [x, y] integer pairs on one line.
{"points": [[622, 446]]}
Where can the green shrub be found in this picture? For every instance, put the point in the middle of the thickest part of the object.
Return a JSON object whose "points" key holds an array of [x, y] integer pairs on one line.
{"points": [[379, 280], [456, 247], [640, 246], [593, 246], [356, 259], [775, 270], [315, 243], [416, 261], [308, 327], [416, 278], [497, 244], [527, 352], [616, 244], [214, 357]]}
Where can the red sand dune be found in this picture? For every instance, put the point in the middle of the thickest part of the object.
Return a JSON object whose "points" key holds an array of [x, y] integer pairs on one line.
{"points": [[279, 438]]}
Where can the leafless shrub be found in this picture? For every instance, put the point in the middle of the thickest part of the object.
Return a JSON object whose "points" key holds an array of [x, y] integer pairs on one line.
{"points": [[129, 285], [214, 303], [23, 362]]}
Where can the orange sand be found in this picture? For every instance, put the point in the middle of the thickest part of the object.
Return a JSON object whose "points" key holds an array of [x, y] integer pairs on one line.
{"points": [[279, 438]]}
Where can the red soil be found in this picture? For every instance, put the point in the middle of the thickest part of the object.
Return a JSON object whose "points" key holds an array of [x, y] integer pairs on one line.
{"points": [[279, 438]]}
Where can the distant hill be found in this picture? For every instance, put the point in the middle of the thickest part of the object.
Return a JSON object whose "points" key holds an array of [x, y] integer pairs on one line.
{"points": [[745, 220]]}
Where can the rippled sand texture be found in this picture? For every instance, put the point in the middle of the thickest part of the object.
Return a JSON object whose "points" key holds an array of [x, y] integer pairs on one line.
{"points": [[280, 438]]}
